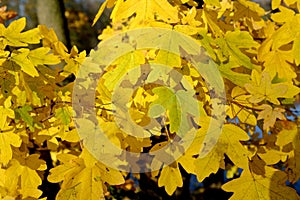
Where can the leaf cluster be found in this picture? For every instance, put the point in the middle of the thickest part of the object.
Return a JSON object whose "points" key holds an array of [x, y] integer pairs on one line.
{"points": [[256, 52]]}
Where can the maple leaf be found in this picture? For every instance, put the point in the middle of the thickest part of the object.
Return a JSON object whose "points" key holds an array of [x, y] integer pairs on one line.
{"points": [[20, 57], [124, 63], [209, 164], [120, 139], [12, 35], [5, 112], [25, 116], [3, 56], [8, 138], [190, 18], [82, 175], [178, 104], [64, 114], [296, 50], [30, 180], [21, 100], [146, 10], [240, 79], [237, 35], [290, 135], [262, 88], [22, 171], [170, 178], [276, 58], [41, 56], [105, 4], [168, 59], [228, 143], [28, 60], [99, 13], [271, 156], [240, 107], [49, 135], [74, 60], [279, 62], [250, 12], [284, 15], [50, 40], [269, 115], [232, 43], [270, 185]]}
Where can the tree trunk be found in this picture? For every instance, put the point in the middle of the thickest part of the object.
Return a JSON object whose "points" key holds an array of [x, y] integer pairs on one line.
{"points": [[51, 14]]}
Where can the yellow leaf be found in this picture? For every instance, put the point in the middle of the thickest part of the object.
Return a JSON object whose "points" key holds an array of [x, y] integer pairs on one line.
{"points": [[269, 186], [83, 175], [271, 156], [73, 61], [5, 112], [239, 79], [244, 115], [240, 107], [211, 23], [230, 141], [290, 135], [284, 15], [253, 6], [12, 35], [190, 18], [21, 57], [70, 136], [65, 170], [168, 58], [3, 56], [41, 56], [209, 164], [124, 63], [296, 50], [50, 40], [110, 175], [146, 10], [100, 11], [262, 88], [8, 138], [187, 29], [225, 5], [233, 42], [275, 4], [215, 3], [170, 178], [64, 114], [277, 62], [269, 115], [28, 179]]}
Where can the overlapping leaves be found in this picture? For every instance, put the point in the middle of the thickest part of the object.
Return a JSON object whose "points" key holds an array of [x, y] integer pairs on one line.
{"points": [[257, 55]]}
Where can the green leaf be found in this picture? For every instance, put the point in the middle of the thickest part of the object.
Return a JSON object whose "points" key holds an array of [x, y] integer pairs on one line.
{"points": [[179, 106], [64, 114], [26, 117], [233, 42]]}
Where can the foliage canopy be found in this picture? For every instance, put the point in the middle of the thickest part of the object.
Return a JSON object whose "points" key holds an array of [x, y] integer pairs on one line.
{"points": [[257, 53]]}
